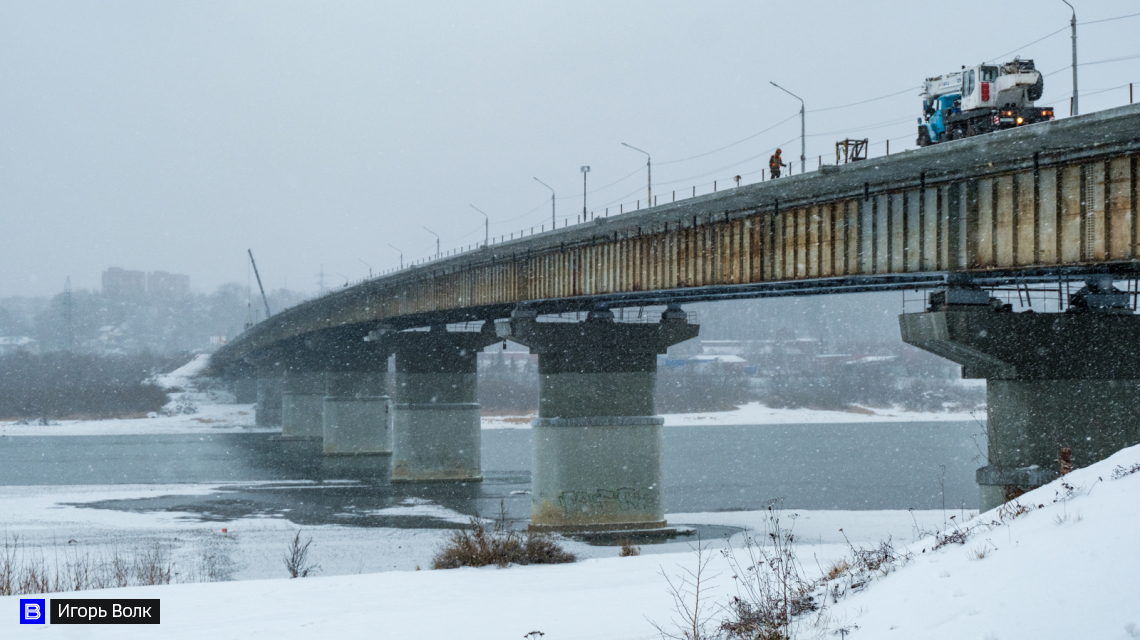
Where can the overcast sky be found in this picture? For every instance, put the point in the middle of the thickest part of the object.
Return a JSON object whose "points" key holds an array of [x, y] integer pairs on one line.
{"points": [[175, 135]]}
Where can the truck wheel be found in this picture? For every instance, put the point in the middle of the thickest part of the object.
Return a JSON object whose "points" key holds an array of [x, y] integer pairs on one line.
{"points": [[923, 137]]}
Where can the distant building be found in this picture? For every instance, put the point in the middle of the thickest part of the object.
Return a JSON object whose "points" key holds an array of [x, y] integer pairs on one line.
{"points": [[18, 344], [167, 286], [122, 283]]}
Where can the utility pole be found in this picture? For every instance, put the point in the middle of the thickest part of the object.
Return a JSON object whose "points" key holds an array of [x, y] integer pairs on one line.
{"points": [[1073, 24], [553, 218], [585, 170], [648, 174], [803, 127], [486, 226]]}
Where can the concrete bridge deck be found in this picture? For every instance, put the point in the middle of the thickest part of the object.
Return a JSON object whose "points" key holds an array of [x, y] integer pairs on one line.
{"points": [[1035, 203]]}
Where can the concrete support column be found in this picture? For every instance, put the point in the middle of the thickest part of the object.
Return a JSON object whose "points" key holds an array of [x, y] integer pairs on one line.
{"points": [[270, 379], [597, 441], [435, 415], [357, 420], [1054, 381], [302, 404]]}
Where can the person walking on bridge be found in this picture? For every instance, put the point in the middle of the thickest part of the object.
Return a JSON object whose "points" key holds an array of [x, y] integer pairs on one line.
{"points": [[775, 162]]}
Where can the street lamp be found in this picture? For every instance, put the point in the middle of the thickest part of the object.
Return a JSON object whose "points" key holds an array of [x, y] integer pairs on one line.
{"points": [[553, 220], [486, 227], [649, 174], [367, 265], [803, 127], [401, 254], [585, 170], [436, 240], [1073, 23]]}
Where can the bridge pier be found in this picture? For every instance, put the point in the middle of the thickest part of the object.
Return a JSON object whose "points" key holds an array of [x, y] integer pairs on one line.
{"points": [[303, 403], [597, 440], [1054, 381], [357, 420], [435, 414], [270, 374]]}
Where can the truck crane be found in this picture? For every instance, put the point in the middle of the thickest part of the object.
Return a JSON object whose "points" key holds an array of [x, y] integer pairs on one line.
{"points": [[981, 99]]}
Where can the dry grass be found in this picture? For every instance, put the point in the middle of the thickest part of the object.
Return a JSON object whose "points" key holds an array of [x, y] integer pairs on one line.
{"points": [[628, 550], [837, 569], [477, 546], [25, 571]]}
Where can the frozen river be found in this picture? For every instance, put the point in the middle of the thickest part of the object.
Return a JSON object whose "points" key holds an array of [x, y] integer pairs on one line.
{"points": [[920, 465]]}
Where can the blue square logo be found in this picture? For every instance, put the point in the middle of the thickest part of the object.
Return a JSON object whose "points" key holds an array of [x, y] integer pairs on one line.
{"points": [[33, 611]]}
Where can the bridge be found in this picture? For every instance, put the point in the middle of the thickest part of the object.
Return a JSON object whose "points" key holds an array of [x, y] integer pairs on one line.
{"points": [[1051, 202]]}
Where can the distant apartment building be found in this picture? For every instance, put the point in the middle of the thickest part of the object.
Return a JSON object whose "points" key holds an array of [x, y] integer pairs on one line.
{"points": [[124, 284], [168, 286]]}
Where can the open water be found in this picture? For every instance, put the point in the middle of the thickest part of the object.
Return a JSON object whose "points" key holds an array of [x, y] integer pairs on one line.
{"points": [[921, 465]]}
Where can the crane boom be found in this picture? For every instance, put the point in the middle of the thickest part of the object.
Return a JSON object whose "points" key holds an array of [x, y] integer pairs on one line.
{"points": [[258, 275]]}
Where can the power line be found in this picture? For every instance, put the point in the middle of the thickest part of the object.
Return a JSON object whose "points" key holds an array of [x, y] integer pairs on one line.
{"points": [[844, 106], [1084, 64], [1131, 15], [1064, 28], [733, 144]]}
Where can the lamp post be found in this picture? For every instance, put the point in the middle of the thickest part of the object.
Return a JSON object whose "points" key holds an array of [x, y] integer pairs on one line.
{"points": [[401, 254], [803, 127], [367, 265], [585, 170], [486, 227], [436, 240], [1073, 24], [553, 219], [648, 175]]}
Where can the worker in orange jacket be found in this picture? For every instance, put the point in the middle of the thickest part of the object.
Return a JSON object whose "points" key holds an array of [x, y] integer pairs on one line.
{"points": [[774, 164]]}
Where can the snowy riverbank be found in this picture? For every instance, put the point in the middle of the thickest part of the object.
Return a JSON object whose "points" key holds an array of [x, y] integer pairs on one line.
{"points": [[197, 408], [1068, 568]]}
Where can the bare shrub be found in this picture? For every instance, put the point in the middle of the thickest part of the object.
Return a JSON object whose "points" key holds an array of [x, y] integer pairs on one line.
{"points": [[943, 538], [1121, 471], [693, 615], [215, 560], [628, 550], [772, 589], [477, 546], [153, 565], [297, 557]]}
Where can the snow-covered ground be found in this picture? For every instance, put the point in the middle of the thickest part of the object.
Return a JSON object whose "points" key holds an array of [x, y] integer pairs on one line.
{"points": [[1067, 568], [755, 413]]}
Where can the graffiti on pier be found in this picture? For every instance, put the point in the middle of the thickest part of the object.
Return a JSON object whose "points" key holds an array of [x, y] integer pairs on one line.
{"points": [[623, 499]]}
